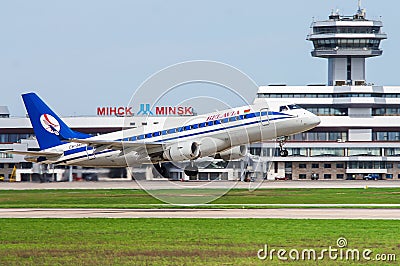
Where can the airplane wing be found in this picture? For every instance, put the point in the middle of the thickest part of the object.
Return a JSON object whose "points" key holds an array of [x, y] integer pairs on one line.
{"points": [[126, 146]]}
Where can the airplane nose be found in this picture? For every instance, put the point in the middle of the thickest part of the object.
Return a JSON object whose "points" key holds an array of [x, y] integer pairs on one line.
{"points": [[312, 120]]}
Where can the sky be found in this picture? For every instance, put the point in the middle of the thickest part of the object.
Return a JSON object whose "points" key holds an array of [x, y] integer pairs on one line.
{"points": [[78, 55]]}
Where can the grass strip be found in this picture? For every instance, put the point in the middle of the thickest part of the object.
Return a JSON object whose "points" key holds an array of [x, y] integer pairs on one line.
{"points": [[185, 241], [127, 198]]}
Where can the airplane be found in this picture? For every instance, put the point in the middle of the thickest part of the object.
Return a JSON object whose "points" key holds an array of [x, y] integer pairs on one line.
{"points": [[222, 135]]}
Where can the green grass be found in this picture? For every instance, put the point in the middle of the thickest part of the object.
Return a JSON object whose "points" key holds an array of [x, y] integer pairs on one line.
{"points": [[183, 241], [125, 198]]}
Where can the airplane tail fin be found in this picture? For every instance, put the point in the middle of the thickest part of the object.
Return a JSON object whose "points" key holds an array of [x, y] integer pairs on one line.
{"points": [[48, 127]]}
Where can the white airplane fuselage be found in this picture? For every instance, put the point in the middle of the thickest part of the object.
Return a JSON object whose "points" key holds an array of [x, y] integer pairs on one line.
{"points": [[204, 135]]}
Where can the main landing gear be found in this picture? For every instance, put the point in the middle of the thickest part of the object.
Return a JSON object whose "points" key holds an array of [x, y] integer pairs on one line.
{"points": [[191, 169], [282, 151]]}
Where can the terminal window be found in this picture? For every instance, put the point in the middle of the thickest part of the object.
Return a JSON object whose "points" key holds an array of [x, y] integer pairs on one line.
{"points": [[327, 165], [327, 176], [339, 165], [302, 176], [302, 166], [255, 151], [315, 165], [26, 165]]}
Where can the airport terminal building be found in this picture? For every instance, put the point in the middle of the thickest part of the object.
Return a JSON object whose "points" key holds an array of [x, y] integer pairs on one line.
{"points": [[359, 134]]}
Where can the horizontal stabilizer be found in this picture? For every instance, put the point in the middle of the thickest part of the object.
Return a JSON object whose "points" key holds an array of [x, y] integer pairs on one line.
{"points": [[35, 153], [37, 156]]}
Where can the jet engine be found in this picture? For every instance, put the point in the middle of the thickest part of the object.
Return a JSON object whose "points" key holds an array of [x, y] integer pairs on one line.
{"points": [[233, 153], [182, 151]]}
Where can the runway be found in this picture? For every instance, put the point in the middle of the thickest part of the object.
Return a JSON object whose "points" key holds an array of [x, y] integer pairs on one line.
{"points": [[165, 184], [314, 213]]}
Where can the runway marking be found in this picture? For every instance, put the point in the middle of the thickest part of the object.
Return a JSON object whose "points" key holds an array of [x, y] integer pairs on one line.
{"points": [[379, 205], [159, 185], [315, 213]]}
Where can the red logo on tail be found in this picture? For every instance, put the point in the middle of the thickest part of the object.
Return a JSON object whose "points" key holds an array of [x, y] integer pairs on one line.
{"points": [[50, 124]]}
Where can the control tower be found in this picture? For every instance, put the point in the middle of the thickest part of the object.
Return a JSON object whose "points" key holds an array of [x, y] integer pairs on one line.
{"points": [[346, 41]]}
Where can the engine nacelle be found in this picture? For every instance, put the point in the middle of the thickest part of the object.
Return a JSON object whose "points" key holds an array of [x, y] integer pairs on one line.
{"points": [[182, 151], [234, 153]]}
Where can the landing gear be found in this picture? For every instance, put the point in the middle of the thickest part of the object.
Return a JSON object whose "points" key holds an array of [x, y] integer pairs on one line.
{"points": [[282, 151], [191, 169], [161, 170]]}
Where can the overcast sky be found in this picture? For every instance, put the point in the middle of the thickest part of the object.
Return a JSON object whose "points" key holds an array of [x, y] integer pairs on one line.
{"points": [[78, 55]]}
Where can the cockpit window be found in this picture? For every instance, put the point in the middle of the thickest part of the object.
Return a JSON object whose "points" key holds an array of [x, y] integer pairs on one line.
{"points": [[289, 107], [294, 107], [283, 108]]}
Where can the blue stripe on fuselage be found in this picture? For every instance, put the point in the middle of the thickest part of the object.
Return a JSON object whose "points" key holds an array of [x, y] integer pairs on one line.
{"points": [[76, 150]]}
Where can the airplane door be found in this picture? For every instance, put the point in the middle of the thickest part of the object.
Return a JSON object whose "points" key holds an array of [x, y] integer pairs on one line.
{"points": [[264, 118], [90, 153]]}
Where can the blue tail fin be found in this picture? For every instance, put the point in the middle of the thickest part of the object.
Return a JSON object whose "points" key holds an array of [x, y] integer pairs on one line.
{"points": [[48, 127]]}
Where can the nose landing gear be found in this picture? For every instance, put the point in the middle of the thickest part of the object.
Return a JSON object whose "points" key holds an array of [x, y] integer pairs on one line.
{"points": [[282, 151]]}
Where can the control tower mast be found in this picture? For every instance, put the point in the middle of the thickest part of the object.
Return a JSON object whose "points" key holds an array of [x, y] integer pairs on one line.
{"points": [[346, 41]]}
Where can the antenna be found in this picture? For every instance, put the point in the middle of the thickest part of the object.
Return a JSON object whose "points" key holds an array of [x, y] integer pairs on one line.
{"points": [[361, 13]]}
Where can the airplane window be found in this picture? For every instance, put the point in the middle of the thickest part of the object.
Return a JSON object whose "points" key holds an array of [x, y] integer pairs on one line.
{"points": [[164, 132], [217, 122], [225, 120], [149, 135], [133, 138], [141, 137], [172, 130], [156, 134], [179, 129], [231, 119], [210, 123], [187, 127], [195, 126], [202, 124], [240, 117], [283, 108], [264, 113]]}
